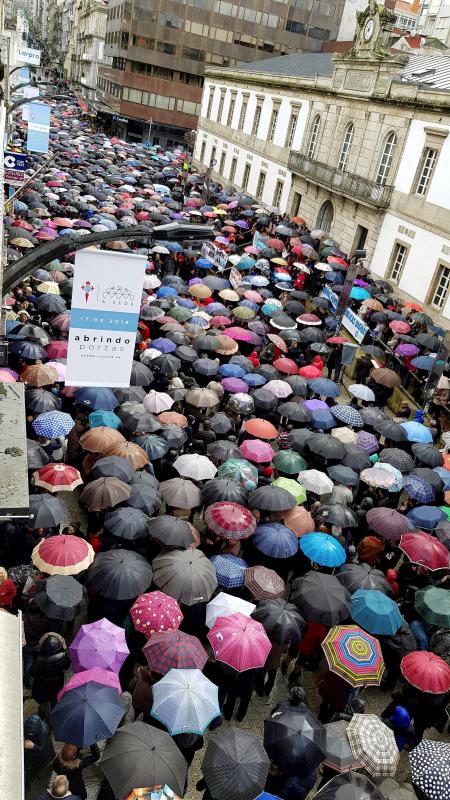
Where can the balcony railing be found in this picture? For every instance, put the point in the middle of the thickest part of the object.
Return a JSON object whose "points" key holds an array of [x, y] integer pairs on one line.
{"points": [[352, 186]]}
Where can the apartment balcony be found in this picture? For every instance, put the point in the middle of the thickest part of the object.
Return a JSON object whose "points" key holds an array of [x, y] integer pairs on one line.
{"points": [[345, 183]]}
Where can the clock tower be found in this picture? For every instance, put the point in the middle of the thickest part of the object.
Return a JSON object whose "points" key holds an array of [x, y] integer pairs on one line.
{"points": [[374, 31]]}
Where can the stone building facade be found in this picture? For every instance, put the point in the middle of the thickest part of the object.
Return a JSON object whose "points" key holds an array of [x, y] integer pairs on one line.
{"points": [[354, 143]]}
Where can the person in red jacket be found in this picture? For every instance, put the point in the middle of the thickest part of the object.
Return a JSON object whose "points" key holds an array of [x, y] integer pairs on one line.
{"points": [[8, 589], [318, 363], [253, 357]]}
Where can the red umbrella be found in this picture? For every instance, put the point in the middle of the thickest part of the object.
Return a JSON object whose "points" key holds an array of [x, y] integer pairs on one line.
{"points": [[240, 642], [309, 319], [337, 340], [156, 612], [62, 555], [310, 372], [422, 548], [230, 520], [337, 260], [426, 671], [286, 365], [260, 428], [57, 349], [399, 327], [276, 244], [57, 478], [174, 650]]}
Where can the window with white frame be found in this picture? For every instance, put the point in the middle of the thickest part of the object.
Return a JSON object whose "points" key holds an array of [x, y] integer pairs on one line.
{"points": [[256, 120], [291, 129], [272, 125], [441, 287], [277, 194], [261, 184], [346, 146], [231, 109], [242, 115], [246, 176], [233, 169], [397, 261], [202, 152], [210, 102], [386, 160], [428, 163], [314, 137]]}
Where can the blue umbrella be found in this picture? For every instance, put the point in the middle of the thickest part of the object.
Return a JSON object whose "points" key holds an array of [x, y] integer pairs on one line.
{"points": [[344, 475], [166, 291], [426, 517], [155, 446], [254, 380], [357, 293], [275, 540], [185, 701], [418, 489], [87, 714], [215, 283], [205, 366], [95, 397], [348, 415], [325, 387], [53, 423], [230, 570], [444, 474], [322, 549], [104, 418], [200, 321], [376, 612], [231, 371], [322, 418], [249, 304], [186, 302], [174, 247], [163, 345], [218, 309], [423, 362], [203, 263], [416, 432], [30, 350]]}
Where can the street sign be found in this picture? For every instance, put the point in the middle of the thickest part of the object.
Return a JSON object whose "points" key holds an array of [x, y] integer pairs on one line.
{"points": [[28, 56], [15, 165]]}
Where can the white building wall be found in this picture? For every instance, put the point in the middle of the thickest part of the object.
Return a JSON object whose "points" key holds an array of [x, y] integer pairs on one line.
{"points": [[439, 191], [347, 26]]}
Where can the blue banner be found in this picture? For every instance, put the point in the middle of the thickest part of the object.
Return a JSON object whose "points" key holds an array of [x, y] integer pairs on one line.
{"points": [[38, 127]]}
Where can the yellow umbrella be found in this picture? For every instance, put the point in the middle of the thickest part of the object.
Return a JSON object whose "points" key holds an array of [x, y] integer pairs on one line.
{"points": [[49, 287], [230, 295], [200, 290]]}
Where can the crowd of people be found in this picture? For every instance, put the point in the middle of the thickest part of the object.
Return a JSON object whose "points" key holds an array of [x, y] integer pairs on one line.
{"points": [[244, 515]]}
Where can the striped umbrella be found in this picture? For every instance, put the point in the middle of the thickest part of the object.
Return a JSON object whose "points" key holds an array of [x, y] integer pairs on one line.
{"points": [[230, 520], [354, 655], [174, 650], [368, 442]]}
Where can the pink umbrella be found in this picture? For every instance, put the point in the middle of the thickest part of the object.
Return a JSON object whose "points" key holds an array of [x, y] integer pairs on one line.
{"points": [[155, 612], [242, 335], [240, 642], [99, 644], [399, 327], [62, 321], [57, 349], [60, 369], [103, 676], [257, 451], [8, 376]]}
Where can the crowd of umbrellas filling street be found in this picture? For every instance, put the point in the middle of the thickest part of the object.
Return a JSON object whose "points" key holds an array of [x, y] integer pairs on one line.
{"points": [[243, 532]]}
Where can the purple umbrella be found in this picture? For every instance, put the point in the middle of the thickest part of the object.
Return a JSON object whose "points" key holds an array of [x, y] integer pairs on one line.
{"points": [[163, 345], [407, 350], [241, 223], [367, 441], [99, 644], [313, 405], [234, 385], [360, 282], [193, 281]]}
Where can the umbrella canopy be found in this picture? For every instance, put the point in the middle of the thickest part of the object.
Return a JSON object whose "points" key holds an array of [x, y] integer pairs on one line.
{"points": [[224, 605], [87, 714], [140, 755], [264, 583], [173, 649], [338, 753], [239, 642], [57, 477], [388, 523], [426, 671], [321, 598], [349, 786], [155, 612], [127, 523], [271, 498], [376, 612], [421, 548], [322, 549], [53, 423], [104, 677], [433, 605], [281, 621], [62, 555], [230, 570], [105, 493], [315, 481], [185, 701], [171, 531], [362, 576], [293, 735], [60, 597], [373, 743], [260, 428], [195, 466], [354, 655], [120, 574], [275, 540], [235, 765], [257, 451], [430, 768], [186, 575], [98, 439], [180, 493], [230, 520], [99, 644]]}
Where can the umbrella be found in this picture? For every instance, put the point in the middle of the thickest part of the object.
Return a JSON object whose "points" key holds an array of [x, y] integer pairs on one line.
{"points": [[155, 612], [140, 755], [289, 462], [222, 489], [195, 466], [397, 458], [416, 432], [39, 375], [362, 392], [120, 574], [386, 377], [324, 387], [315, 481], [57, 478], [155, 446], [235, 765], [326, 446], [390, 430], [427, 517], [338, 514], [433, 604], [293, 735], [172, 649], [291, 486], [112, 467], [387, 522], [240, 471], [271, 498], [87, 714], [52, 424], [224, 605], [221, 423], [40, 400], [373, 743], [257, 451], [155, 402], [230, 570], [185, 701], [260, 428], [343, 475], [171, 531], [349, 786], [201, 398], [422, 548], [186, 575], [240, 642], [348, 415], [426, 671], [104, 419], [104, 677], [299, 520], [127, 523], [105, 493], [418, 489], [376, 612], [322, 549], [281, 621], [230, 520], [60, 597], [338, 753], [354, 655], [62, 555], [264, 584], [99, 644], [97, 398], [378, 478], [180, 493], [321, 598], [430, 768], [368, 442], [428, 455], [275, 540], [362, 576], [99, 439]]}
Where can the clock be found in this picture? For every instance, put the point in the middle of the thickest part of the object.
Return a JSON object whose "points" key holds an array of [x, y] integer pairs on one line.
{"points": [[368, 30]]}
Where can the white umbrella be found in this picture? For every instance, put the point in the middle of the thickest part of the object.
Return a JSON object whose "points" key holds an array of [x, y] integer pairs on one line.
{"points": [[151, 282], [159, 248], [280, 389], [223, 605], [361, 392], [195, 466], [315, 481], [185, 701], [156, 402], [149, 355], [345, 435]]}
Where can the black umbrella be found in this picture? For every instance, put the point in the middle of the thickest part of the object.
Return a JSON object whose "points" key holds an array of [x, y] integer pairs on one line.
{"points": [[356, 458], [326, 446], [146, 498], [134, 394], [264, 399], [136, 418], [362, 576], [343, 475], [46, 511], [235, 765], [222, 450], [321, 598], [144, 479], [155, 446], [60, 597], [440, 644], [167, 364], [281, 621], [140, 755], [186, 575], [429, 341], [430, 476], [36, 455], [268, 371], [174, 436], [298, 439], [171, 531], [127, 523], [338, 514], [221, 423], [187, 353], [113, 467], [428, 454], [296, 412], [390, 430], [293, 735], [120, 574], [222, 489], [51, 303], [140, 375], [443, 533], [271, 498], [397, 458], [372, 415], [349, 786], [376, 352], [311, 335]]}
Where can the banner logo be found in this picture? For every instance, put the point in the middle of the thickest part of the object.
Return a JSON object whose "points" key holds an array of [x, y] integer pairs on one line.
{"points": [[87, 288]]}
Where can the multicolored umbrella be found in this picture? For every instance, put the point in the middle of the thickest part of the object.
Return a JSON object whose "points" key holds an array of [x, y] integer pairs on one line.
{"points": [[62, 555], [185, 701], [99, 644], [174, 650], [240, 642], [419, 490], [155, 612], [354, 655]]}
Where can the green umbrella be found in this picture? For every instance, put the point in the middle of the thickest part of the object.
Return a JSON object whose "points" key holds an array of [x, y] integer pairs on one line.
{"points": [[446, 510], [434, 605], [290, 462], [243, 313], [180, 313], [294, 488], [239, 470]]}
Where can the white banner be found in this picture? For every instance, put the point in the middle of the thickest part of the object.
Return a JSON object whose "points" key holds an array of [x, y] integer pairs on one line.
{"points": [[214, 254], [107, 289], [28, 91], [28, 56], [354, 325]]}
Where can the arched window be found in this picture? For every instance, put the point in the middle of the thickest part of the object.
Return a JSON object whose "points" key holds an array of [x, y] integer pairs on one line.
{"points": [[314, 137], [326, 216], [345, 149], [386, 159]]}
